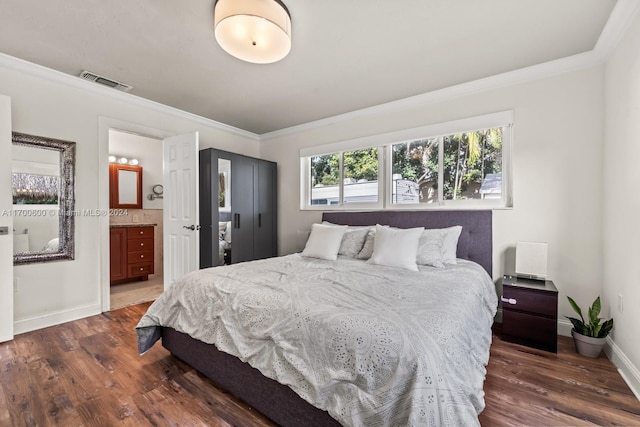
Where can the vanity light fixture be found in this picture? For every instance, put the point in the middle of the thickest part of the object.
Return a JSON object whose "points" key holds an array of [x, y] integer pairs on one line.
{"points": [[123, 160], [257, 31]]}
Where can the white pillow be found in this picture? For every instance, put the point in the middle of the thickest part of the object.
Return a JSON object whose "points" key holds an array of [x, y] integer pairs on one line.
{"points": [[450, 244], [395, 247], [430, 248], [324, 241]]}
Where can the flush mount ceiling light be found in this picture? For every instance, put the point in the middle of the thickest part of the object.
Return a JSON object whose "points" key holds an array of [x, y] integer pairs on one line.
{"points": [[257, 31]]}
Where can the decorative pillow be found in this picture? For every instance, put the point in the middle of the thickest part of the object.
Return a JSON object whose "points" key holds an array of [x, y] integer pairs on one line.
{"points": [[395, 247], [324, 241], [450, 244], [430, 248], [353, 241], [367, 248]]}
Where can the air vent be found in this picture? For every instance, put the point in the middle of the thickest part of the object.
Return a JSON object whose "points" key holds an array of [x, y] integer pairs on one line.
{"points": [[93, 77]]}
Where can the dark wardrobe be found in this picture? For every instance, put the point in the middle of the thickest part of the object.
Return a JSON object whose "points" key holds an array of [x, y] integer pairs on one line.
{"points": [[240, 191]]}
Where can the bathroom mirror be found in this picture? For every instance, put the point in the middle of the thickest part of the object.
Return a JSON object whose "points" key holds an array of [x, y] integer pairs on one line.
{"points": [[125, 186], [43, 173]]}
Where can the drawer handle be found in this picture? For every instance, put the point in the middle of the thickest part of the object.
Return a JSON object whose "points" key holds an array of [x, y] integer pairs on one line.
{"points": [[142, 232], [141, 244], [141, 256], [509, 300], [141, 268]]}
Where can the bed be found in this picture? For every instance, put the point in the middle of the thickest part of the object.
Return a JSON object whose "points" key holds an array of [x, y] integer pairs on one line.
{"points": [[393, 354]]}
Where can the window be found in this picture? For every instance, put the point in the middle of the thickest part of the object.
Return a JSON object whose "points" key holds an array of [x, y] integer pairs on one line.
{"points": [[357, 170], [466, 162], [414, 168], [361, 176], [325, 176]]}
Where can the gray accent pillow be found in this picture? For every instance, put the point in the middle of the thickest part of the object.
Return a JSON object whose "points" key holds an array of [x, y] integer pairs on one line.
{"points": [[450, 244], [367, 248], [430, 247], [353, 241]]}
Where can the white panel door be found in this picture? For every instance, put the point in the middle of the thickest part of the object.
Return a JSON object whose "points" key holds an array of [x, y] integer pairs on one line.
{"points": [[180, 214], [6, 240]]}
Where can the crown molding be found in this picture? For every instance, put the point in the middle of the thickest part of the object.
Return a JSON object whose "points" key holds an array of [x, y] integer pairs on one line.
{"points": [[622, 15], [49, 74]]}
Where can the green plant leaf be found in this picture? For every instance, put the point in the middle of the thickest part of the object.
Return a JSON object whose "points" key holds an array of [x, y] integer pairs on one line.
{"points": [[575, 307], [594, 311], [606, 328], [578, 325], [596, 330]]}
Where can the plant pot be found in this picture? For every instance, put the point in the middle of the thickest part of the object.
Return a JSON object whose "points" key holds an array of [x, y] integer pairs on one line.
{"points": [[587, 346]]}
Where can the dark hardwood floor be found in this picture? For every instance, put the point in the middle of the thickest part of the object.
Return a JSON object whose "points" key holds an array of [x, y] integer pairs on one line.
{"points": [[88, 372]]}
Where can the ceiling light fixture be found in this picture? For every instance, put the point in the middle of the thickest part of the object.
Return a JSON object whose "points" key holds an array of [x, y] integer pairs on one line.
{"points": [[257, 31]]}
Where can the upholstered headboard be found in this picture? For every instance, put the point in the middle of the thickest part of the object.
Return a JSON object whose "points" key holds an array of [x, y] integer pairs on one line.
{"points": [[475, 241]]}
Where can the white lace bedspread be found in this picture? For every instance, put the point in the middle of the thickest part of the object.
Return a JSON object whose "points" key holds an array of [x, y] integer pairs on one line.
{"points": [[372, 345]]}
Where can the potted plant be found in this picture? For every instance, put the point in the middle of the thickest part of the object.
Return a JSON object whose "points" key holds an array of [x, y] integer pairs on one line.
{"points": [[589, 337]]}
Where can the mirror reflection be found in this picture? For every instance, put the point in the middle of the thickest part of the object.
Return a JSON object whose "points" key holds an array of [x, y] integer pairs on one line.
{"points": [[35, 177], [43, 203]]}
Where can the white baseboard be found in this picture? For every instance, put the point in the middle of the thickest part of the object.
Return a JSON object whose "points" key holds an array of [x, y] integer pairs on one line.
{"points": [[628, 371], [564, 327], [55, 318]]}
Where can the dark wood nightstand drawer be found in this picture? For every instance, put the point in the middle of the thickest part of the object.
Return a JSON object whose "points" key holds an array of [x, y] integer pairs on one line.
{"points": [[531, 301], [535, 331]]}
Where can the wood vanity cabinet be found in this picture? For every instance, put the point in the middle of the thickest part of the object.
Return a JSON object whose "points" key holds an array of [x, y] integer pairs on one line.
{"points": [[131, 253]]}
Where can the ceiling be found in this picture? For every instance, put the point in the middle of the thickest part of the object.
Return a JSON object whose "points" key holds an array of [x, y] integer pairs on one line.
{"points": [[346, 55]]}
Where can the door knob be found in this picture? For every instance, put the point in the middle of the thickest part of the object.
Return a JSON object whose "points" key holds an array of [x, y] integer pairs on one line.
{"points": [[191, 227]]}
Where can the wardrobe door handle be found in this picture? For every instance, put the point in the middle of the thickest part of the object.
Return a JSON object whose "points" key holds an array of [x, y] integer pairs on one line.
{"points": [[236, 220], [259, 220]]}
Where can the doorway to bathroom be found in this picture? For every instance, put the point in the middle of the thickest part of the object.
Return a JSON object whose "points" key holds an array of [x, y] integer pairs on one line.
{"points": [[135, 218]]}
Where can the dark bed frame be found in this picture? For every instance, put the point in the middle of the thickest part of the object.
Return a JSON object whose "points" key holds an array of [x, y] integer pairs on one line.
{"points": [[278, 402]]}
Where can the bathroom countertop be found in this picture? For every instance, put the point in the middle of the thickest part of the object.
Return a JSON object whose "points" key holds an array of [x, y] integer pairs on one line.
{"points": [[132, 224]]}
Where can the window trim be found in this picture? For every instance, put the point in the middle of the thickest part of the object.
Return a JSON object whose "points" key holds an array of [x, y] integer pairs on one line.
{"points": [[502, 119]]}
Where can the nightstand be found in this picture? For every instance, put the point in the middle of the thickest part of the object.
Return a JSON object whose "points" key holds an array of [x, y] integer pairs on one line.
{"points": [[530, 312]]}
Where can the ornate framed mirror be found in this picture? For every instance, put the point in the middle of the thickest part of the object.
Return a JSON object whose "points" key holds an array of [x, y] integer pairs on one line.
{"points": [[43, 175]]}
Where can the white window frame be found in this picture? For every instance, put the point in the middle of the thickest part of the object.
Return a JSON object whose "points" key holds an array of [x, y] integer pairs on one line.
{"points": [[383, 142], [305, 182]]}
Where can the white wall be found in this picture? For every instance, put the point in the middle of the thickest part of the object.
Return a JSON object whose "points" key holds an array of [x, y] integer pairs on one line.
{"points": [[557, 172], [54, 105], [148, 151], [6, 242], [622, 196]]}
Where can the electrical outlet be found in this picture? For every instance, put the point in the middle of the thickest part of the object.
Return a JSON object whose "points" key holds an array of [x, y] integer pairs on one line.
{"points": [[620, 303], [135, 218]]}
